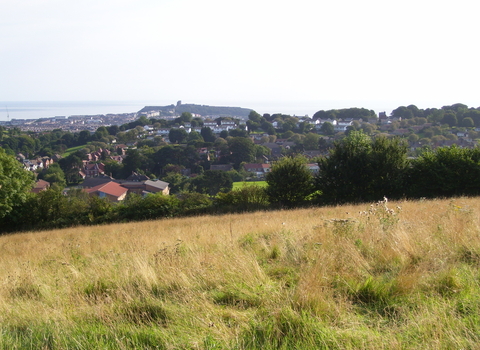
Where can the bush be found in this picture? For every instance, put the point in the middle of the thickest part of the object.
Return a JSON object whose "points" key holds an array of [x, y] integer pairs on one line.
{"points": [[289, 182], [361, 170], [246, 198], [445, 172]]}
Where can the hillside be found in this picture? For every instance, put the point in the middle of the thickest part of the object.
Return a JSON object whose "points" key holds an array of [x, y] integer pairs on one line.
{"points": [[385, 276], [199, 109]]}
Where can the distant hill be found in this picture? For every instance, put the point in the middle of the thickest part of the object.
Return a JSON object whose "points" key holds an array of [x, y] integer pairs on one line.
{"points": [[198, 109]]}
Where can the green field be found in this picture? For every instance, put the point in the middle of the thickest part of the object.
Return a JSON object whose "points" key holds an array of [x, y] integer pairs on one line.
{"points": [[240, 184], [72, 150]]}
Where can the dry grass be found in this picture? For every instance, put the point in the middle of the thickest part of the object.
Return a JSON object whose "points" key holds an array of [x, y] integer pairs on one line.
{"points": [[335, 277]]}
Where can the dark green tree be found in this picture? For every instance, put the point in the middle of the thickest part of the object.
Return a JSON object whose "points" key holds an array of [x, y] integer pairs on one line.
{"points": [[167, 155], [208, 135], [403, 112], [445, 172], [54, 175], [310, 142], [450, 118], [241, 150], [327, 128], [177, 135], [135, 161], [290, 182], [213, 182], [468, 122], [359, 169]]}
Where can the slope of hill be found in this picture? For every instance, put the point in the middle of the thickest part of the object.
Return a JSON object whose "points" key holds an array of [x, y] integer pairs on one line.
{"points": [[386, 276]]}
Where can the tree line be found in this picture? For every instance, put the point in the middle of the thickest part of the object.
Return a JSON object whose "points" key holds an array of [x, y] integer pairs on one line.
{"points": [[358, 169]]}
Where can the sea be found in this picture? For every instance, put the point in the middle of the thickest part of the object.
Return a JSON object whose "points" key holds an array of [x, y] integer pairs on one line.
{"points": [[47, 109]]}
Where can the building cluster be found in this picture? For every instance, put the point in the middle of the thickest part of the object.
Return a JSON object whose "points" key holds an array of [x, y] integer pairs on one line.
{"points": [[73, 123]]}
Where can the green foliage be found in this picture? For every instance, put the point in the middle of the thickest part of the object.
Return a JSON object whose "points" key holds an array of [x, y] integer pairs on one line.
{"points": [[245, 198], [153, 206], [445, 172], [311, 140], [241, 150], [450, 119], [15, 183], [54, 175], [359, 169], [194, 203], [212, 182], [327, 128], [207, 134], [289, 181], [177, 135]]}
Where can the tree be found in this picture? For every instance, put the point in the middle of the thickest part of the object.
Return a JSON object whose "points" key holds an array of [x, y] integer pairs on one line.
{"points": [[289, 182], [176, 181], [208, 135], [241, 150], [133, 162], [72, 161], [186, 117], [403, 112], [213, 182], [359, 169], [54, 175], [327, 128], [445, 171], [15, 183], [450, 118], [194, 137], [310, 141], [177, 135], [412, 138], [468, 122]]}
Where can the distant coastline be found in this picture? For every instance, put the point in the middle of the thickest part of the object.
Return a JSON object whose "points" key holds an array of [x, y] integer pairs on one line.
{"points": [[49, 109]]}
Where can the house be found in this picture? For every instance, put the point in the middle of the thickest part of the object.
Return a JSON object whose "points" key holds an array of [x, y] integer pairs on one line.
{"points": [[91, 182], [155, 186], [118, 159], [137, 177], [110, 190], [92, 170], [30, 165], [275, 149], [260, 170], [343, 125], [312, 154], [313, 167], [145, 187], [40, 185]]}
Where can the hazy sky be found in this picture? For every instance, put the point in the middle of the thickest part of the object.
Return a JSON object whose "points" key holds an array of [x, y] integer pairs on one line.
{"points": [[353, 53]]}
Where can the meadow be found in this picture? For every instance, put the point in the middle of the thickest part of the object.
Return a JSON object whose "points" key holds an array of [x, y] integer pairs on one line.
{"points": [[386, 275]]}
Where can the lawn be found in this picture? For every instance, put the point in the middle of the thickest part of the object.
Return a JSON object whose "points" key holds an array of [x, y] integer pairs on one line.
{"points": [[240, 184], [72, 150]]}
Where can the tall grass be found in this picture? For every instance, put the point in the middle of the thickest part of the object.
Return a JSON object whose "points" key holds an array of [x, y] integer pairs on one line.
{"points": [[387, 276]]}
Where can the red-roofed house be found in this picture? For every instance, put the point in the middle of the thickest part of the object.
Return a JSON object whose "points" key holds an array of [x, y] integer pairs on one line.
{"points": [[40, 185], [111, 190], [93, 169]]}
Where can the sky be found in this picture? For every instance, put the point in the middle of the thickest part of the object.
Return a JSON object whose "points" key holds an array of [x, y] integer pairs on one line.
{"points": [[376, 54]]}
